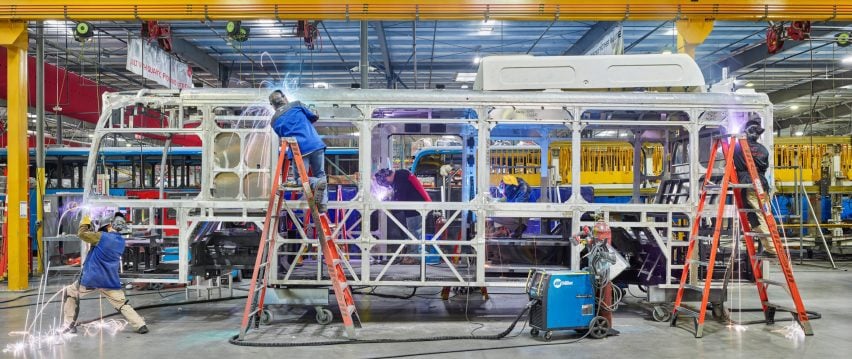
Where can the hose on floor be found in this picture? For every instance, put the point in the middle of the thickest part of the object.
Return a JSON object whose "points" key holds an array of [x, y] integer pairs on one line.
{"points": [[236, 341]]}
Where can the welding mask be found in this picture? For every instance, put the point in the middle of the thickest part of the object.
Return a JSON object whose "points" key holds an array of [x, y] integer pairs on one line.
{"points": [[119, 224], [753, 130], [381, 177]]}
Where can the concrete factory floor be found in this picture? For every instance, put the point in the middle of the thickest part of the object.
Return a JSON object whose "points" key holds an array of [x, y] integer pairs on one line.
{"points": [[202, 330]]}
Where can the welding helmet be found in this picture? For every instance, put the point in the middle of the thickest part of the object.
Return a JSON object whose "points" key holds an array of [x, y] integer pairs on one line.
{"points": [[753, 130], [277, 99], [381, 177]]}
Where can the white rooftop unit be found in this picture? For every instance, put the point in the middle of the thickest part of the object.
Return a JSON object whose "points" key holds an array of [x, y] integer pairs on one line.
{"points": [[675, 73]]}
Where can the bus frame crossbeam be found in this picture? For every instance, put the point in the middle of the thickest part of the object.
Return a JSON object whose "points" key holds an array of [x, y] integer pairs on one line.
{"points": [[353, 108]]}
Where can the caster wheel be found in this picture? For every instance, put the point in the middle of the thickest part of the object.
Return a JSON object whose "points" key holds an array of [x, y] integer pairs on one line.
{"points": [[534, 332], [599, 327], [324, 316], [266, 317], [548, 335], [661, 314]]}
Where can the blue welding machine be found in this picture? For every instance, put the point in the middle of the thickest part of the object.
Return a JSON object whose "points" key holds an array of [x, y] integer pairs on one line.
{"points": [[564, 300]]}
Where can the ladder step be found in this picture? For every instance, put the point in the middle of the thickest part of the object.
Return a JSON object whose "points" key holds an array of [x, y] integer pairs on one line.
{"points": [[336, 261], [758, 235], [292, 187], [750, 210], [342, 285], [698, 262], [780, 307], [774, 282], [706, 239], [699, 288], [740, 185], [689, 312], [350, 309], [730, 186]]}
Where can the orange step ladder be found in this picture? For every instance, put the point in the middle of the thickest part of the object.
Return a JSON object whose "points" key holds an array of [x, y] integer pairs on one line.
{"points": [[331, 255], [729, 182]]}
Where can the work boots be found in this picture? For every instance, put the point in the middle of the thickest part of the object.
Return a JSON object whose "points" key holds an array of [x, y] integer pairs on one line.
{"points": [[319, 195]]}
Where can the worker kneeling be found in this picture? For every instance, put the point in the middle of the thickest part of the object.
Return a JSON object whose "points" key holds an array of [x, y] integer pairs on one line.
{"points": [[100, 272], [515, 190]]}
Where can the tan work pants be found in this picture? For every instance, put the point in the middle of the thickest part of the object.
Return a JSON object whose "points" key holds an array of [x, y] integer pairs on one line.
{"points": [[115, 297], [762, 227]]}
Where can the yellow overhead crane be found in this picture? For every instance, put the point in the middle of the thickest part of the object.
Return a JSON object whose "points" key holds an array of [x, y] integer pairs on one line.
{"points": [[581, 10], [694, 19]]}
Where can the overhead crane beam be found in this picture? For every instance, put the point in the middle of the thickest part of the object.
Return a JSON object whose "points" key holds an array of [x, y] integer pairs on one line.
{"points": [[577, 10]]}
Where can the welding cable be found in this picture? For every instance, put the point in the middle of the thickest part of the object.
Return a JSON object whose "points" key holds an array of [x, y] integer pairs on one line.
{"points": [[163, 305], [235, 339], [389, 296], [90, 298]]}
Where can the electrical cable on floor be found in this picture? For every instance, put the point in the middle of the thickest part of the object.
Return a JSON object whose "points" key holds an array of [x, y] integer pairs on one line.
{"points": [[91, 298], [163, 305], [235, 339], [389, 296]]}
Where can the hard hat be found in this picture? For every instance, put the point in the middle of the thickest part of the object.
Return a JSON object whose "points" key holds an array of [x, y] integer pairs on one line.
{"points": [[510, 180]]}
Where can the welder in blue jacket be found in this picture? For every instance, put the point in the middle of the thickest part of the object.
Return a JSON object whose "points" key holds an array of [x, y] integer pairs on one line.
{"points": [[293, 119], [515, 190], [100, 273]]}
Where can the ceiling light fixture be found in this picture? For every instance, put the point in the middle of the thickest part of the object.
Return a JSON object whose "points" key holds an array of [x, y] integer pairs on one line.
{"points": [[477, 59], [749, 84], [847, 60], [799, 133], [794, 107]]}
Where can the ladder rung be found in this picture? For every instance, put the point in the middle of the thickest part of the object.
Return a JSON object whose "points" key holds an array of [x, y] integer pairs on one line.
{"points": [[781, 307], [690, 312], [350, 309], [342, 285], [773, 282], [698, 262], [758, 234], [740, 185], [704, 238], [336, 261], [291, 188], [750, 210]]}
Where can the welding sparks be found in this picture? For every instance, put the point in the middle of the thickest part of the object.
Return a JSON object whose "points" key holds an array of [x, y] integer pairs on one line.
{"points": [[737, 328], [110, 326], [36, 341], [792, 332]]}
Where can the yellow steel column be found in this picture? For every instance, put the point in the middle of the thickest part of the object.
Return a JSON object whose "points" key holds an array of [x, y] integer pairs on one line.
{"points": [[13, 36], [691, 33]]}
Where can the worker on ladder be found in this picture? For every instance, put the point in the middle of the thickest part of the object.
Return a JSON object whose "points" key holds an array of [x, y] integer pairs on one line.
{"points": [[293, 119], [760, 155]]}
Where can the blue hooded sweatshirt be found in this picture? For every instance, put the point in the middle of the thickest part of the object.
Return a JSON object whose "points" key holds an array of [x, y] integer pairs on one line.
{"points": [[102, 264], [296, 120]]}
